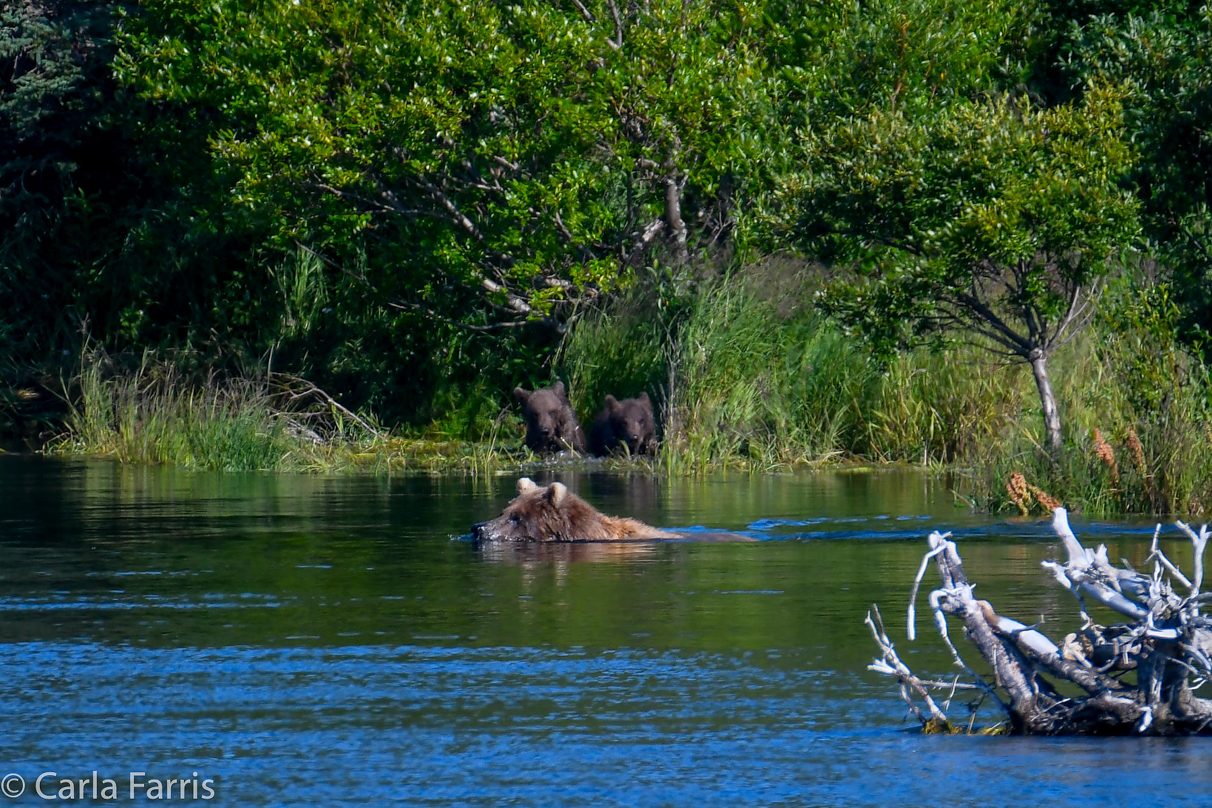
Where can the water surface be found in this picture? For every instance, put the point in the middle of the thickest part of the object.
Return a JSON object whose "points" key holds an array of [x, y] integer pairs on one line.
{"points": [[332, 641]]}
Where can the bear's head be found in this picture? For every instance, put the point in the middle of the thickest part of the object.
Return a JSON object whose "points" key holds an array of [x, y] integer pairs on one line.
{"points": [[538, 513], [548, 418], [633, 422]]}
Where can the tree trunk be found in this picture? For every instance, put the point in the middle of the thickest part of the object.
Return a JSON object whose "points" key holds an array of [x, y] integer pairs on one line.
{"points": [[673, 216], [673, 203], [1052, 422]]}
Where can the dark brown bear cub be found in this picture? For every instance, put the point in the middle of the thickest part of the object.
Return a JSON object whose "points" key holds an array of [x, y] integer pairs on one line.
{"points": [[628, 424], [551, 425], [555, 514]]}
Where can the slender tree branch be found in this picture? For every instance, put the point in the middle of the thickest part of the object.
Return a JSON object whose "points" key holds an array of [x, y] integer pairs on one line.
{"points": [[311, 389], [981, 310], [564, 231], [645, 238], [394, 207], [967, 322], [404, 305], [1081, 315], [516, 305], [459, 217], [586, 13], [617, 42], [501, 161]]}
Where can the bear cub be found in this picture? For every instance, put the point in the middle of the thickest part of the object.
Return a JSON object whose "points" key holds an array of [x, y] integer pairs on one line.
{"points": [[629, 424], [554, 514], [551, 425]]}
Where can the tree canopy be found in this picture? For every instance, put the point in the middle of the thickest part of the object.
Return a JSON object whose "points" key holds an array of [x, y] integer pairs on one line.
{"points": [[1160, 57], [531, 152]]}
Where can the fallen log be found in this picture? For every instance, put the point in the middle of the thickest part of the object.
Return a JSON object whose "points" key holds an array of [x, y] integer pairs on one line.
{"points": [[1138, 677]]}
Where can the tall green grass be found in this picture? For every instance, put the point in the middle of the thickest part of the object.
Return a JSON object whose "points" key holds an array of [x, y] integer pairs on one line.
{"points": [[749, 376], [153, 414], [1138, 422], [150, 416]]}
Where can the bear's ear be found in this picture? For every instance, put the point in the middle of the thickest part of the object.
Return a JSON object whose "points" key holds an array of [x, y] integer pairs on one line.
{"points": [[526, 485], [556, 493], [644, 398], [558, 389], [521, 395], [612, 403]]}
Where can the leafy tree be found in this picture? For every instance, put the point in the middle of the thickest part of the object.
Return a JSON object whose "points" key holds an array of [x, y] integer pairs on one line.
{"points": [[511, 158], [995, 219], [106, 221], [1159, 54], [840, 58]]}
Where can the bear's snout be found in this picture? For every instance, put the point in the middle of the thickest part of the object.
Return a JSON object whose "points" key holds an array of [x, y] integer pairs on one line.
{"points": [[490, 532]]}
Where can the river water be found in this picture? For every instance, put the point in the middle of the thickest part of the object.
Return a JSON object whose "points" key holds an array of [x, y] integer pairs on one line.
{"points": [[301, 640]]}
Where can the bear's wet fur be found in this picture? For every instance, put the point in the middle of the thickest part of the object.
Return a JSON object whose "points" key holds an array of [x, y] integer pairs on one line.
{"points": [[628, 424], [554, 514], [551, 425]]}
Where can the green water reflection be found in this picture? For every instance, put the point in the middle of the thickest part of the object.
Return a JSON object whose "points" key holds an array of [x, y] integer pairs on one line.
{"points": [[157, 557]]}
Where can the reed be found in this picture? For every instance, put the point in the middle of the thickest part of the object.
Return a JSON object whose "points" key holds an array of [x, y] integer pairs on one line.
{"points": [[153, 414]]}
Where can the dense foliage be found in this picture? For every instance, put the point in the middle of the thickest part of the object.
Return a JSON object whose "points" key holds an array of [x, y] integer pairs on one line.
{"points": [[415, 204], [1159, 56], [450, 153]]}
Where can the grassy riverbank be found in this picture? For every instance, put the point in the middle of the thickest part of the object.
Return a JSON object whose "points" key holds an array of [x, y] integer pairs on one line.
{"points": [[744, 381], [755, 381], [151, 414]]}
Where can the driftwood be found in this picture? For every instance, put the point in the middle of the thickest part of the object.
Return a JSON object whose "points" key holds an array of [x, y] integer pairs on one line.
{"points": [[1138, 677]]}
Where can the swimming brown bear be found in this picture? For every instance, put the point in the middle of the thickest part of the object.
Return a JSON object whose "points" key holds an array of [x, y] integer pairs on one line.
{"points": [[628, 424], [551, 425], [554, 514]]}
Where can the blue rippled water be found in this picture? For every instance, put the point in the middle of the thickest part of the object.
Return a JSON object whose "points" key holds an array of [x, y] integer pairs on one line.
{"points": [[308, 641], [490, 726]]}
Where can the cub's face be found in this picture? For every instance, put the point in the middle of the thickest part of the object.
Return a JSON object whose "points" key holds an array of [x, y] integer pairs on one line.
{"points": [[536, 514], [546, 414], [632, 422]]}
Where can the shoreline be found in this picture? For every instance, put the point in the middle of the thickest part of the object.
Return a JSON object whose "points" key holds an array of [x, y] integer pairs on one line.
{"points": [[969, 485], [430, 456]]}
